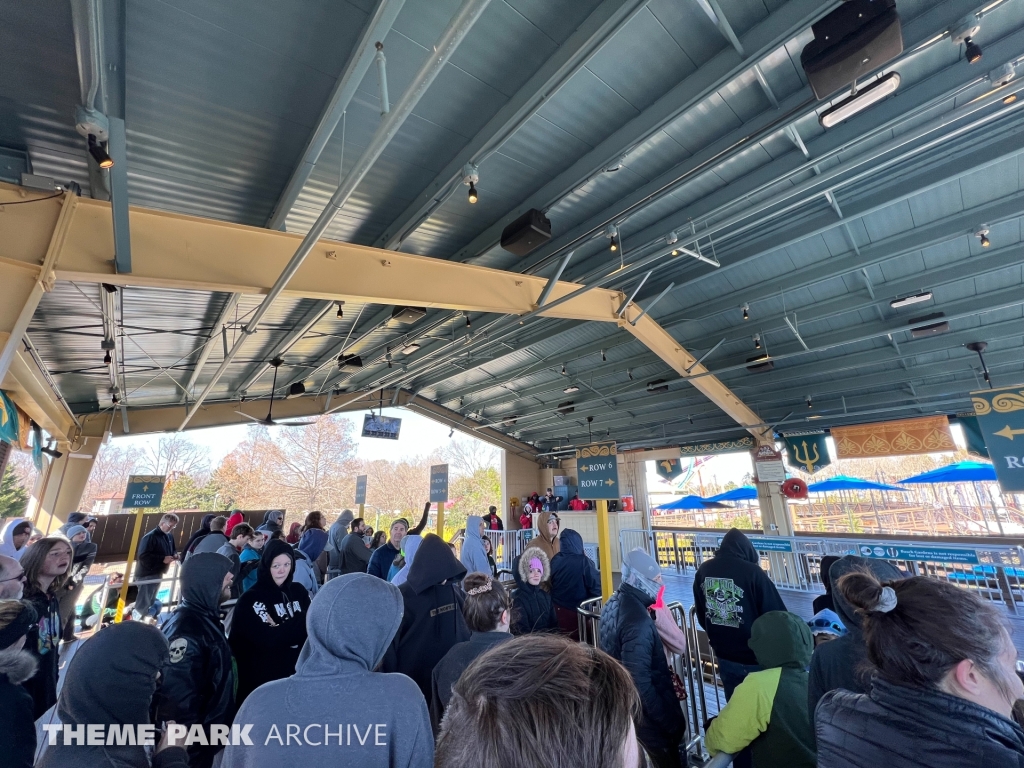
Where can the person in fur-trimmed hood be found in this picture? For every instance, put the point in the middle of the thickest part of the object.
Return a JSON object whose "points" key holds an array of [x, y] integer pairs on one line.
{"points": [[532, 609]]}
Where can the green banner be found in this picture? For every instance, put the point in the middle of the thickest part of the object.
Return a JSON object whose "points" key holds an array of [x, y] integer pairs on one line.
{"points": [[8, 420], [972, 434], [808, 453], [668, 468], [1000, 415]]}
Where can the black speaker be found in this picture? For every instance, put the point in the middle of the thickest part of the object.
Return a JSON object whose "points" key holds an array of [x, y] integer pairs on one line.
{"points": [[857, 37], [529, 231]]}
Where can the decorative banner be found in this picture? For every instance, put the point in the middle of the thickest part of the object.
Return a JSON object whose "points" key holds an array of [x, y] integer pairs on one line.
{"points": [[361, 489], [768, 466], [809, 453], [144, 491], [972, 434], [8, 420], [928, 434], [439, 483], [1000, 415], [668, 468], [598, 468], [722, 446]]}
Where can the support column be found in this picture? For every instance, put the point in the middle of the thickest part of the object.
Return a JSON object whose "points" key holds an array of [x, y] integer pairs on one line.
{"points": [[59, 490], [519, 477], [775, 516]]}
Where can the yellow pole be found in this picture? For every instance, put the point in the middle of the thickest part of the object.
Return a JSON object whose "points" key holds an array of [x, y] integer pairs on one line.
{"points": [[604, 549], [440, 518], [362, 511], [128, 570]]}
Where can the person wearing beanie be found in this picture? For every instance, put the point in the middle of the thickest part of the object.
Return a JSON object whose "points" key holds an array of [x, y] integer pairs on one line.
{"points": [[384, 556], [74, 519], [198, 686], [628, 633], [17, 729], [768, 710]]}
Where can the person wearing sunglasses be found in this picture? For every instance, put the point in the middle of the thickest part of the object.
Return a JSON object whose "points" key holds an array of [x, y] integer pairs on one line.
{"points": [[12, 578]]}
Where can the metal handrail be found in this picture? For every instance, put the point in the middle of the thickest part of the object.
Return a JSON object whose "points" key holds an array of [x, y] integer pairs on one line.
{"points": [[585, 618]]}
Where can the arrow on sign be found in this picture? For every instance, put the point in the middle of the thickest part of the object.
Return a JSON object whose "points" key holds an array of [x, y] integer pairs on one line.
{"points": [[609, 481], [146, 487], [1009, 433]]}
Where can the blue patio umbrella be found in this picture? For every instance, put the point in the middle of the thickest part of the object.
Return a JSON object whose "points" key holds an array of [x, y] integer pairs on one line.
{"points": [[746, 493], [844, 483], [964, 472], [692, 502]]}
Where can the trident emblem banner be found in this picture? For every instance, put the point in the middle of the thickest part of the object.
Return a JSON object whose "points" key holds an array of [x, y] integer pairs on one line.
{"points": [[808, 453]]}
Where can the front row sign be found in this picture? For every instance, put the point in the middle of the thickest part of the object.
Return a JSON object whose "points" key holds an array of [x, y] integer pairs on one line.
{"points": [[598, 469], [144, 491]]}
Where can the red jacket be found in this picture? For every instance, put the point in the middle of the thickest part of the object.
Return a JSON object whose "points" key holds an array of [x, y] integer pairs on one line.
{"points": [[234, 520]]}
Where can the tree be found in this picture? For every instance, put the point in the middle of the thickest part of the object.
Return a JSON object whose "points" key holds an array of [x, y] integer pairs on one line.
{"points": [[175, 454], [182, 492], [398, 486], [13, 496], [318, 464], [247, 477], [110, 472]]}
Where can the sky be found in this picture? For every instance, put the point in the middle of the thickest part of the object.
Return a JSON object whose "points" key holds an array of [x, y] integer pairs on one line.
{"points": [[418, 437]]}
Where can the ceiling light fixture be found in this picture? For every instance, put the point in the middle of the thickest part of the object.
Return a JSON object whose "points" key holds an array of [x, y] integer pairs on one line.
{"points": [[564, 372], [972, 52], [809, 403], [746, 311], [469, 323], [297, 389], [980, 347], [859, 101], [629, 372], [982, 235], [604, 358], [107, 358], [612, 233], [341, 312], [571, 389], [408, 349], [1010, 99], [757, 341], [906, 301], [672, 239], [99, 153], [471, 177]]}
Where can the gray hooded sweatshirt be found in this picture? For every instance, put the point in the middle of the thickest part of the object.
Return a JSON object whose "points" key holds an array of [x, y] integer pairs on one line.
{"points": [[473, 555], [335, 536], [382, 718]]}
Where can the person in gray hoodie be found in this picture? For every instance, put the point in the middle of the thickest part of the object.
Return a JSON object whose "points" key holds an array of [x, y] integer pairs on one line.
{"points": [[473, 554], [335, 537], [346, 713]]}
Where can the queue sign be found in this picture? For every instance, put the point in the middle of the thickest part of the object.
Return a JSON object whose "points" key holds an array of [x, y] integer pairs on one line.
{"points": [[144, 491], [439, 483], [598, 469]]}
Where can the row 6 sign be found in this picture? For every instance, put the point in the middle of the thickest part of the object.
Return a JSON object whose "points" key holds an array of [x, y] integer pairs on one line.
{"points": [[598, 468]]}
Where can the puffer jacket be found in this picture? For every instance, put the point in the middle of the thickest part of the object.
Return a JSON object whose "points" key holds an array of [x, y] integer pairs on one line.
{"points": [[573, 576], [532, 608], [627, 633], [900, 727]]}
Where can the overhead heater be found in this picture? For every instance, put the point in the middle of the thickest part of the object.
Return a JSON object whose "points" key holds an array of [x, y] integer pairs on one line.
{"points": [[529, 231], [858, 37]]}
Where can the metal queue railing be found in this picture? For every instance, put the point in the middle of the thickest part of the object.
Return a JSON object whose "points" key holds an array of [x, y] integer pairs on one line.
{"points": [[696, 667], [995, 572]]}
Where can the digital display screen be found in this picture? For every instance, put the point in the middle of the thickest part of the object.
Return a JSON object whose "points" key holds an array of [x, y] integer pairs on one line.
{"points": [[384, 427]]}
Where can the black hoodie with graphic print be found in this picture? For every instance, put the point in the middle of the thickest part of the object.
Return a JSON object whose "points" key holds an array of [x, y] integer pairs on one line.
{"points": [[268, 625], [433, 620], [731, 592]]}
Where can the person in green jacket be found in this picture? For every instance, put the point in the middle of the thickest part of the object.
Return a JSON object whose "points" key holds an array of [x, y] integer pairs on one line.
{"points": [[768, 711]]}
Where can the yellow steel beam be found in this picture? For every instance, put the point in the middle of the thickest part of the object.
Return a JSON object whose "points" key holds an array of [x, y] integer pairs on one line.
{"points": [[184, 252]]}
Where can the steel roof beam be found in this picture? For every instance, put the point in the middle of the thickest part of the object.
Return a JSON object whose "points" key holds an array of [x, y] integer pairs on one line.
{"points": [[208, 346], [378, 24], [570, 57]]}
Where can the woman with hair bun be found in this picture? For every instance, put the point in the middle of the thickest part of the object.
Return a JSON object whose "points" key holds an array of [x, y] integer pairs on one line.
{"points": [[944, 682]]}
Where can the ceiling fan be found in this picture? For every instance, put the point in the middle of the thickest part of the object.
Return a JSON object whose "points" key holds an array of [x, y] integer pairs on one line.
{"points": [[269, 420]]}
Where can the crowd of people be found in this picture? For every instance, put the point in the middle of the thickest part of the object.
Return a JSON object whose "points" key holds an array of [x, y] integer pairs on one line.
{"points": [[312, 643]]}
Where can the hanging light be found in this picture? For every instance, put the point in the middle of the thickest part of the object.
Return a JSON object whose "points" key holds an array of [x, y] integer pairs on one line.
{"points": [[604, 359], [982, 235], [972, 52], [757, 341], [614, 244], [99, 154], [107, 358], [564, 372], [341, 312], [612, 233], [473, 197], [746, 311], [469, 323], [471, 177], [809, 404]]}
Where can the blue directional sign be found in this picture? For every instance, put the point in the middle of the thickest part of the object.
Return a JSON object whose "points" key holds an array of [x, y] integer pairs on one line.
{"points": [[919, 554], [439, 483], [761, 543], [360, 489], [1000, 415], [144, 491], [598, 470]]}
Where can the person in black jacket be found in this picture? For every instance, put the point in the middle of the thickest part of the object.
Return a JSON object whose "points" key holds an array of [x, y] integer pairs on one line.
{"points": [[199, 533], [156, 553], [573, 580], [730, 592], [627, 633], [842, 663], [268, 624], [825, 602], [199, 683], [433, 620], [488, 612], [492, 520], [47, 564], [17, 729], [355, 550], [84, 554], [944, 682], [532, 609]]}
